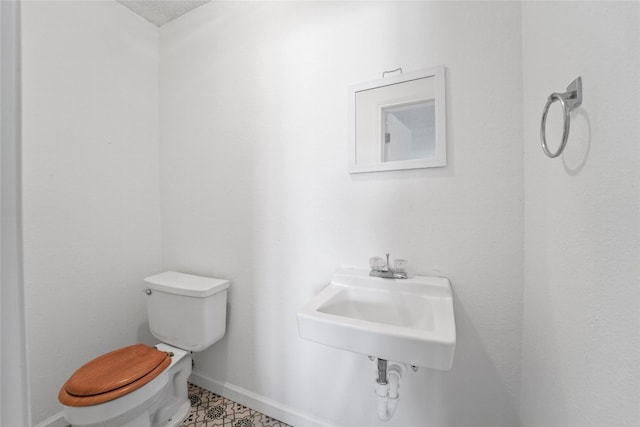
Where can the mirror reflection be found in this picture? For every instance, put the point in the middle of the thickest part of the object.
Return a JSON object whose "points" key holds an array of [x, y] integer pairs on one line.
{"points": [[408, 131]]}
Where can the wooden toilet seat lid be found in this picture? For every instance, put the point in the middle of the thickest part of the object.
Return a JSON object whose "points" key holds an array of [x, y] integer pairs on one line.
{"points": [[113, 374]]}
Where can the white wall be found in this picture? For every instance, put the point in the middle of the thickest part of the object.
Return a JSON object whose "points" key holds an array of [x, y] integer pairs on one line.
{"points": [[91, 197], [254, 188], [582, 230]]}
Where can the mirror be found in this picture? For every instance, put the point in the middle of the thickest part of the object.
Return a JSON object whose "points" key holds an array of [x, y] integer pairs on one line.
{"points": [[398, 122]]}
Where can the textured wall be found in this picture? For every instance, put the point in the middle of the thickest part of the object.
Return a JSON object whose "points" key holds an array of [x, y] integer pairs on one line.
{"points": [[90, 171], [582, 230], [254, 188]]}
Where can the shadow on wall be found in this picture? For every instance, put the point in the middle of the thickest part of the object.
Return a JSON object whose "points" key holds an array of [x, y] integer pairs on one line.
{"points": [[145, 336], [579, 144], [475, 367]]}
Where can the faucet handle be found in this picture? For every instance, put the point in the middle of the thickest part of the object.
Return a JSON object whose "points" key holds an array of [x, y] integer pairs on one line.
{"points": [[376, 263], [400, 265]]}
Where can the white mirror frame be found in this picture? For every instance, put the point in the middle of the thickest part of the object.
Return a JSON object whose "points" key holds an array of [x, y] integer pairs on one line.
{"points": [[439, 158]]}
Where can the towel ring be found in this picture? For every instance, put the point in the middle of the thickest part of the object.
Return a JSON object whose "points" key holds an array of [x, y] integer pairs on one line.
{"points": [[569, 101]]}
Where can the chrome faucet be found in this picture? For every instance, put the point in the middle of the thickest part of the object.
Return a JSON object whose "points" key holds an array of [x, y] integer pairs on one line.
{"points": [[384, 270]]}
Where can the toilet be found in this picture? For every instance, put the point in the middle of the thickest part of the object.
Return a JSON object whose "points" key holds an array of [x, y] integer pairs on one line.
{"points": [[143, 386]]}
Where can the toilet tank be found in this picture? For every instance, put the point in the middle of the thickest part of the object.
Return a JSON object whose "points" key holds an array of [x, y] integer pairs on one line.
{"points": [[187, 311]]}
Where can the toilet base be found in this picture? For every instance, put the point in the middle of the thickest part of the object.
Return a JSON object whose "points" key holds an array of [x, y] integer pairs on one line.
{"points": [[169, 420], [163, 402]]}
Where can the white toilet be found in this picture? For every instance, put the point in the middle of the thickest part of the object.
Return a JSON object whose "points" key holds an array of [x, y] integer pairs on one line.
{"points": [[144, 386]]}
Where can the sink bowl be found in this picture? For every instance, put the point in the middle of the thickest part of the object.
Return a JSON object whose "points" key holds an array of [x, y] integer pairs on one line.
{"points": [[403, 320]]}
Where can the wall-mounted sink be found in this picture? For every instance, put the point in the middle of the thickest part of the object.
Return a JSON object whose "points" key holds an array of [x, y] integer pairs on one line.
{"points": [[409, 320]]}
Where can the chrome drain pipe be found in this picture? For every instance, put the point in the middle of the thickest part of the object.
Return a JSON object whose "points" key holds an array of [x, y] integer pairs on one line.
{"points": [[387, 385], [382, 372]]}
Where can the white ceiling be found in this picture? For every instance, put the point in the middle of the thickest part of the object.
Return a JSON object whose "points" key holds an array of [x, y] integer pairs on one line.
{"points": [[159, 12]]}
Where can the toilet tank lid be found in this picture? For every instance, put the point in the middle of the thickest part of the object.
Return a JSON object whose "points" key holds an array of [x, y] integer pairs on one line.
{"points": [[186, 284]]}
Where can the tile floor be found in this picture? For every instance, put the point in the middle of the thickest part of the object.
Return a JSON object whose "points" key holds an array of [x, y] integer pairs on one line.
{"points": [[208, 410]]}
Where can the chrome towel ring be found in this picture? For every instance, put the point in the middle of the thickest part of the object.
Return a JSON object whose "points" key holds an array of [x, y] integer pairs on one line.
{"points": [[569, 101]]}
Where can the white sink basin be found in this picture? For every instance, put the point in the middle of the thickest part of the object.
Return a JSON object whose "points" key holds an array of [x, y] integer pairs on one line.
{"points": [[403, 320]]}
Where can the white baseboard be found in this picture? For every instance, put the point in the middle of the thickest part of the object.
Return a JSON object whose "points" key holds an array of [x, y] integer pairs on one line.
{"points": [[255, 401], [56, 420], [238, 394]]}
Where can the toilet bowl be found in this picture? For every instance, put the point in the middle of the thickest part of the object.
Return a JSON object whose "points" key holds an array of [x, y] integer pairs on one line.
{"points": [[160, 402], [141, 386]]}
